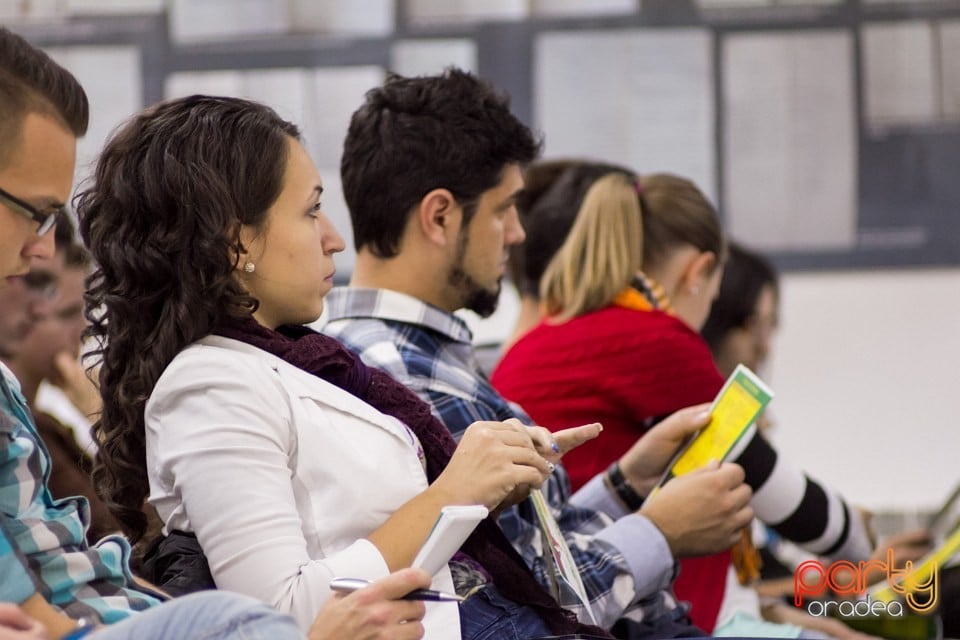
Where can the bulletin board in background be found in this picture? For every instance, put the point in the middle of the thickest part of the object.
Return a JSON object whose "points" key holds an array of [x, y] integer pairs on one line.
{"points": [[827, 131]]}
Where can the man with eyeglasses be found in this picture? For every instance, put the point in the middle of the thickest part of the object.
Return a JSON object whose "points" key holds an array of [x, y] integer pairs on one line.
{"points": [[45, 219], [37, 336]]}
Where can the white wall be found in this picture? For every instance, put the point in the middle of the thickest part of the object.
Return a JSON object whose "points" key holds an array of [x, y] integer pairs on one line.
{"points": [[867, 391]]}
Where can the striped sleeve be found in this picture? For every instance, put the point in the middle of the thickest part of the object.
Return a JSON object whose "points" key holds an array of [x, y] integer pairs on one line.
{"points": [[799, 508]]}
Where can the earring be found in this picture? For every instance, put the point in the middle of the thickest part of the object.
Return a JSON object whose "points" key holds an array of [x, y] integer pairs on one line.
{"points": [[249, 267]]}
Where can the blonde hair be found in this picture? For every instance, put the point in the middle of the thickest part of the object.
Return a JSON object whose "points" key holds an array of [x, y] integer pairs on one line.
{"points": [[601, 254], [676, 213]]}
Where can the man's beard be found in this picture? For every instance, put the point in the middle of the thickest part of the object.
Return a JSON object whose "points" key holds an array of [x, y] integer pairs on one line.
{"points": [[476, 297]]}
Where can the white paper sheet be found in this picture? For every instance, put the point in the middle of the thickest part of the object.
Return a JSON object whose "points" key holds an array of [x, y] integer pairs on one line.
{"points": [[640, 98], [899, 80], [790, 140]]}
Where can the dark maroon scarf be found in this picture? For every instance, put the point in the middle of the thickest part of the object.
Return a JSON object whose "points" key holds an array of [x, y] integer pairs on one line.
{"points": [[328, 359]]}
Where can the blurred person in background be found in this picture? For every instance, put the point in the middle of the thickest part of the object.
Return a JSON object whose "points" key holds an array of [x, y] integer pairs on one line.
{"points": [[53, 344]]}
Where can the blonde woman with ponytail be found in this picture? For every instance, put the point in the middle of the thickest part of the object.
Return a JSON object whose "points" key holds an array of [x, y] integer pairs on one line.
{"points": [[600, 256], [623, 298]]}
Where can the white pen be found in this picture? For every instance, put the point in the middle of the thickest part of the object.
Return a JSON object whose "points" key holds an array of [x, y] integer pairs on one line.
{"points": [[349, 585]]}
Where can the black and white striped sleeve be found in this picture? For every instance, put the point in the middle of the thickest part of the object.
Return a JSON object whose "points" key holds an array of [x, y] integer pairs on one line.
{"points": [[798, 507]]}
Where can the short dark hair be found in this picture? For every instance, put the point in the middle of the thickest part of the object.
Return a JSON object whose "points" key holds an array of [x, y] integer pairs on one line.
{"points": [[552, 194], [30, 81], [412, 135], [745, 275]]}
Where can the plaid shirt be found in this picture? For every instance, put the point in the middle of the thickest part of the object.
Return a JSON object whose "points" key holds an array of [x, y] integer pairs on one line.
{"points": [[42, 546], [623, 559]]}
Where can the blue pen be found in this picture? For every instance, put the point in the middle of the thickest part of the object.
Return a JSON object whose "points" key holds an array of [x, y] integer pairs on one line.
{"points": [[349, 585]]}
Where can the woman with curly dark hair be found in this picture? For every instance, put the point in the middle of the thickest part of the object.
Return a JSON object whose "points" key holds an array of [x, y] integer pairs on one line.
{"points": [[290, 461]]}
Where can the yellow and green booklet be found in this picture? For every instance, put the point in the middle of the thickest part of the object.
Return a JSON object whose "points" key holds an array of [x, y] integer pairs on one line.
{"points": [[739, 403]]}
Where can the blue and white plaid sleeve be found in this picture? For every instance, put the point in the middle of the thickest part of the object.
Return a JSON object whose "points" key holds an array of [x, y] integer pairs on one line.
{"points": [[16, 581], [614, 580], [17, 584]]}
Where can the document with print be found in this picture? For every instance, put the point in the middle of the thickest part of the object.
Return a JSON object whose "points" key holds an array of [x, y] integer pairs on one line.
{"points": [[566, 577]]}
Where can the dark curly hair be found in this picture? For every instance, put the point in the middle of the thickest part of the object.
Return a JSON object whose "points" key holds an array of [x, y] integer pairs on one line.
{"points": [[412, 135], [161, 216]]}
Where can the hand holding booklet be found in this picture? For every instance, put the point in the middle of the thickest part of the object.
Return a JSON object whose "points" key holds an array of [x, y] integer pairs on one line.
{"points": [[733, 412]]}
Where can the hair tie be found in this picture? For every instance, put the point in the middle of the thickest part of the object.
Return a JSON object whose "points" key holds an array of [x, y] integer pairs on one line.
{"points": [[638, 186]]}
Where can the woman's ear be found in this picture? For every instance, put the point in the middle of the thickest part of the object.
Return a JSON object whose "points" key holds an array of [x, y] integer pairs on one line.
{"points": [[438, 217], [246, 247], [698, 271]]}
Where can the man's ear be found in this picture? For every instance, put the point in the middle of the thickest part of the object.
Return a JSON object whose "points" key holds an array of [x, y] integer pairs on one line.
{"points": [[438, 217], [698, 271]]}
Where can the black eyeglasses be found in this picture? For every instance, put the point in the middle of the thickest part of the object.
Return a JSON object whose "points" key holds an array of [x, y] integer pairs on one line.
{"points": [[45, 220]]}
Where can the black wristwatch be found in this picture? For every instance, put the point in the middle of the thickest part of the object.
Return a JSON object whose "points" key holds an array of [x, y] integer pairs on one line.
{"points": [[618, 482]]}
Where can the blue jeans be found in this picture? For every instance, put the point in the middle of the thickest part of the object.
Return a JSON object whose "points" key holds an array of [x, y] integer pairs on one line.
{"points": [[208, 615], [487, 615]]}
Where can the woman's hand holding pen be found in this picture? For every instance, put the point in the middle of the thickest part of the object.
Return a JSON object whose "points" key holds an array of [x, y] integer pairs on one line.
{"points": [[375, 612]]}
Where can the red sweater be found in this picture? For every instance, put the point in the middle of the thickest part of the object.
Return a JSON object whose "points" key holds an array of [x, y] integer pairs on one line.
{"points": [[623, 368]]}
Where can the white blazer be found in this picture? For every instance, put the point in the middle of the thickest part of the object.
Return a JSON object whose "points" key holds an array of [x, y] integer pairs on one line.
{"points": [[280, 475]]}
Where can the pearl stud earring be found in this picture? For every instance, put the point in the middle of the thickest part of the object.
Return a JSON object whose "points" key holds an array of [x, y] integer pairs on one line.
{"points": [[249, 267]]}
